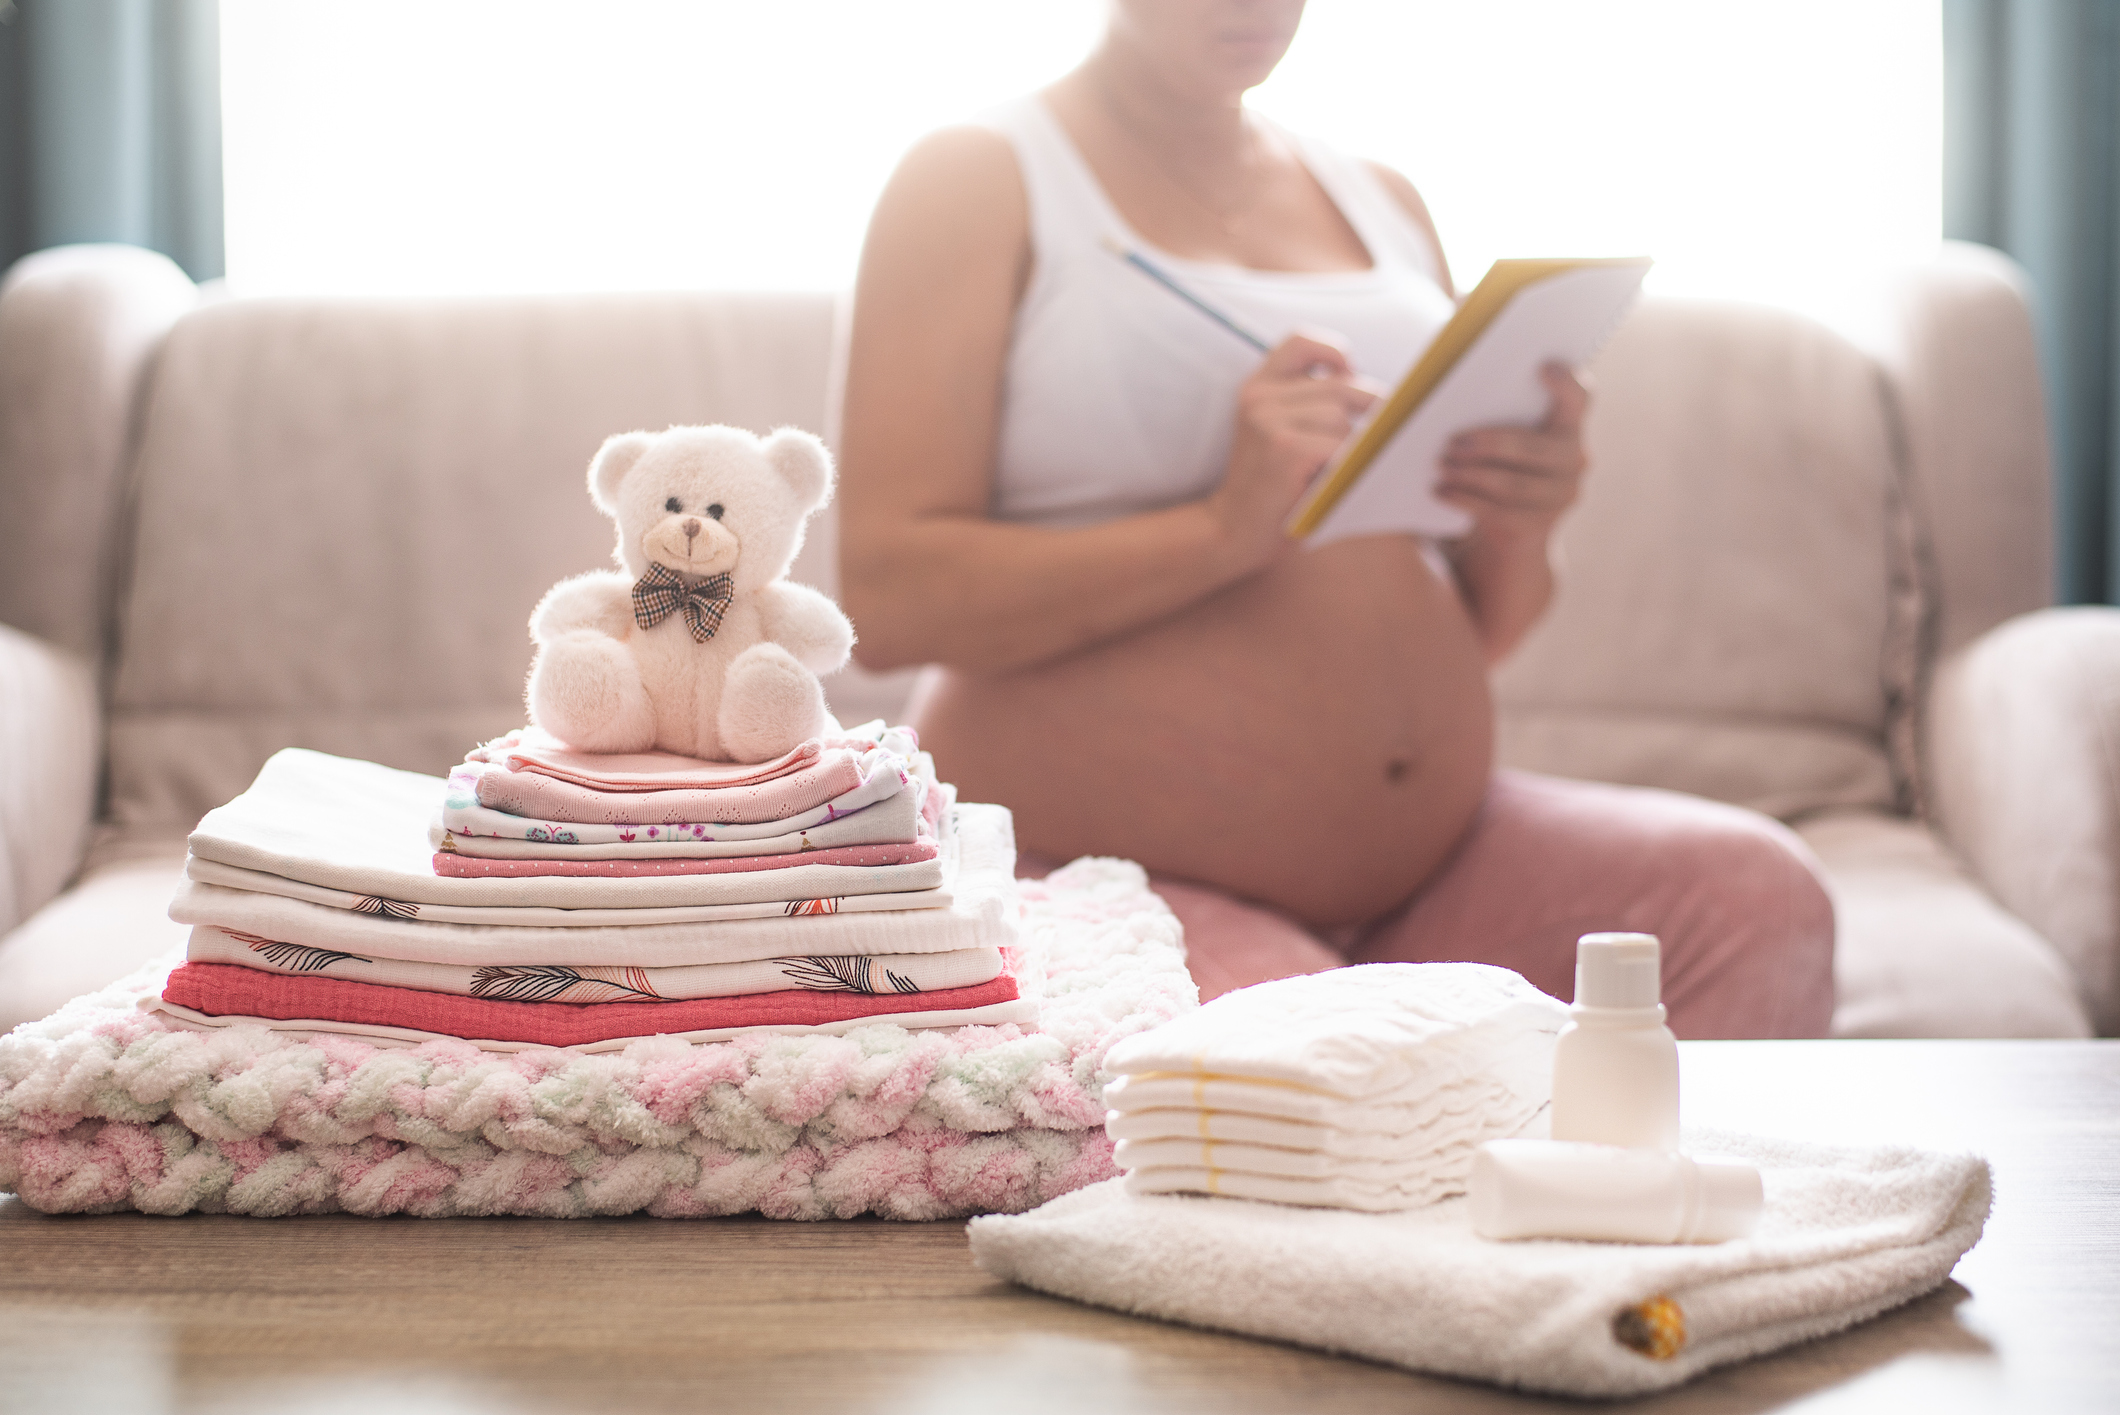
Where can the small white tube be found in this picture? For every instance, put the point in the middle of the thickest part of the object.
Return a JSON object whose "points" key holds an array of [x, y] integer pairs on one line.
{"points": [[1601, 1193]]}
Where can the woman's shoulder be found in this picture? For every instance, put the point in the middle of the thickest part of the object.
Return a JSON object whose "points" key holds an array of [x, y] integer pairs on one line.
{"points": [[954, 211], [972, 159]]}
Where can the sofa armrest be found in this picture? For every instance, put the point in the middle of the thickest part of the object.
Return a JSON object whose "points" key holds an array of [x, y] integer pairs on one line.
{"points": [[79, 327], [2023, 738], [50, 742]]}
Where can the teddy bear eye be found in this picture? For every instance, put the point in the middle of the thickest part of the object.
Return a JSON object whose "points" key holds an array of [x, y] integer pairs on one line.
{"points": [[715, 510], [673, 504]]}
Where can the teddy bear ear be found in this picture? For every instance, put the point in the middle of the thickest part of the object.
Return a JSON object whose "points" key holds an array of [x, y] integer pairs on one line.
{"points": [[803, 463], [609, 467]]}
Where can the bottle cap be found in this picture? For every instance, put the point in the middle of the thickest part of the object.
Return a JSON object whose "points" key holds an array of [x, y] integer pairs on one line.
{"points": [[1731, 1198], [1617, 970]]}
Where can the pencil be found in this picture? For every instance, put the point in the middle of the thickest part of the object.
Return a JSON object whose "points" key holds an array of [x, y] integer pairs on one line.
{"points": [[1134, 259]]}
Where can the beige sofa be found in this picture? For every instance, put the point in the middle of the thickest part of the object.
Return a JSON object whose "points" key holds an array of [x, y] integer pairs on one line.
{"points": [[1806, 576]]}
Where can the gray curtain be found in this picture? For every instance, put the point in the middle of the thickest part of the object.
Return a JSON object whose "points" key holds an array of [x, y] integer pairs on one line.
{"points": [[110, 127], [2032, 166]]}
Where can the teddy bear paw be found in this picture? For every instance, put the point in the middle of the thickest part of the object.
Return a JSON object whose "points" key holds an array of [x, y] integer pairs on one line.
{"points": [[769, 704], [585, 689]]}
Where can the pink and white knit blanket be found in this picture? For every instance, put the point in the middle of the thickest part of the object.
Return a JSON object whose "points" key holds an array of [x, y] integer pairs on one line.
{"points": [[104, 1106]]}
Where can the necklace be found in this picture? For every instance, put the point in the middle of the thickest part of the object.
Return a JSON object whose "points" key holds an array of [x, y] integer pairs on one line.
{"points": [[1251, 164]]}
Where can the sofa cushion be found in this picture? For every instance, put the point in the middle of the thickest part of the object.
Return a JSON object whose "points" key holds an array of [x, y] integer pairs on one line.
{"points": [[347, 509], [110, 923], [1729, 583], [1922, 950]]}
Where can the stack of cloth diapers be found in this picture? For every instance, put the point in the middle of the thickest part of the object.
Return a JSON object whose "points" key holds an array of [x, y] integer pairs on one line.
{"points": [[1362, 1088], [547, 897]]}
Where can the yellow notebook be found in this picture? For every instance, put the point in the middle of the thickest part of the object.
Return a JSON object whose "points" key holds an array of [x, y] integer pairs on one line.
{"points": [[1481, 369]]}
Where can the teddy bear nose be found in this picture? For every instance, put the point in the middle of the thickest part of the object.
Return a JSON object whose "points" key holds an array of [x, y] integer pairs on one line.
{"points": [[690, 527]]}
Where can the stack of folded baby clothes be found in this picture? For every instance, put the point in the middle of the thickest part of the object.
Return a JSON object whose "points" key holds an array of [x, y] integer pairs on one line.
{"points": [[546, 897], [1361, 1088]]}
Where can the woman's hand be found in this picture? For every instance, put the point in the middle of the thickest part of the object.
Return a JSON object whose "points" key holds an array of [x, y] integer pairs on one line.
{"points": [[1515, 482], [1292, 414]]}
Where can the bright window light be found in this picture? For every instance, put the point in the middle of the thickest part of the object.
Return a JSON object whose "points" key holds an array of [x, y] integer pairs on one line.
{"points": [[482, 146]]}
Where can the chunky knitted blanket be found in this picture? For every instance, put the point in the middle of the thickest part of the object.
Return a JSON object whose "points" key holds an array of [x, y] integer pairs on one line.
{"points": [[106, 1107]]}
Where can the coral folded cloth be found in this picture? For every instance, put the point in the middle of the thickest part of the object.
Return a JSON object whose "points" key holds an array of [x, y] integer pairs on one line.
{"points": [[1384, 1079], [360, 827], [894, 820], [839, 779], [589, 982], [314, 1004], [1846, 1234], [470, 867]]}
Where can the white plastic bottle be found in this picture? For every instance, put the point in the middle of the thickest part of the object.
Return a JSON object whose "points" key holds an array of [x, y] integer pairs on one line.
{"points": [[1615, 1065], [1545, 1189]]}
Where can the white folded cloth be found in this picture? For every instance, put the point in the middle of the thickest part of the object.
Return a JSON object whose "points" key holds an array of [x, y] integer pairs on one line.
{"points": [[1251, 1161], [1361, 1033], [982, 912], [1374, 1085], [212, 875], [1216, 1127], [360, 827], [1331, 1191], [607, 982], [1846, 1234], [1392, 1114]]}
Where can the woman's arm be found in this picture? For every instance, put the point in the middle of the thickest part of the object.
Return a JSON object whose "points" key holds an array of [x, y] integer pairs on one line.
{"points": [[1514, 482], [925, 574]]}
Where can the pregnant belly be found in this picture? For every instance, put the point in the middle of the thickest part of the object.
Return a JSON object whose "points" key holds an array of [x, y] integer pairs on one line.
{"points": [[1316, 738]]}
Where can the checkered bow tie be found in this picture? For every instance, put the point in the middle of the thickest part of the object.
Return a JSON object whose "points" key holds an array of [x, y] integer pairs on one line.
{"points": [[658, 594]]}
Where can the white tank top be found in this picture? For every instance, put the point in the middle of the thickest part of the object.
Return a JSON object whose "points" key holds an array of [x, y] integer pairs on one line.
{"points": [[1118, 397]]}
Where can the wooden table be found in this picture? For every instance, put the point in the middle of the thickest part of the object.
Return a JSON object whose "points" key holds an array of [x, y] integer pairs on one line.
{"points": [[418, 1317]]}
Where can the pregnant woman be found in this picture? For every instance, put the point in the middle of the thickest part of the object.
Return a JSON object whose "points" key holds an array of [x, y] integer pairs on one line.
{"points": [[1066, 487]]}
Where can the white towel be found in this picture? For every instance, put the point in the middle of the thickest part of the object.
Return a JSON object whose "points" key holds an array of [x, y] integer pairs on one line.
{"points": [[362, 828], [1847, 1233]]}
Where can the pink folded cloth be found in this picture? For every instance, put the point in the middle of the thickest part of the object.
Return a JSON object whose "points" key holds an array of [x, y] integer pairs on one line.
{"points": [[831, 774], [531, 749], [471, 867], [226, 990]]}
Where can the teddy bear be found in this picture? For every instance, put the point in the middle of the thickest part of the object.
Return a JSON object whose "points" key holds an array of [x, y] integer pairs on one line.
{"points": [[697, 645]]}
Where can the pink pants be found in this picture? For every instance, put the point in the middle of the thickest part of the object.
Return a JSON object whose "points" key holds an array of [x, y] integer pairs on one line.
{"points": [[1747, 928]]}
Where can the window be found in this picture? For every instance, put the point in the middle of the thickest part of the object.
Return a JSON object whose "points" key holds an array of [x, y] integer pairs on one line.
{"points": [[521, 145]]}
